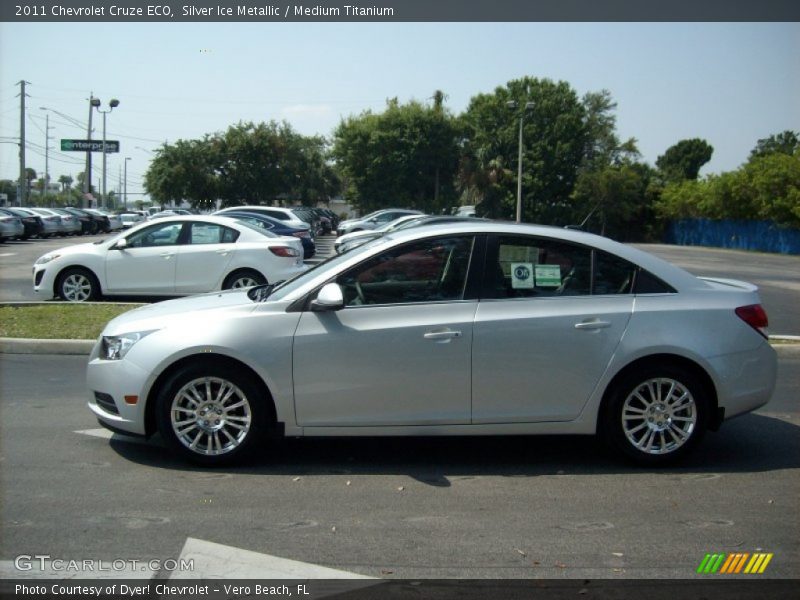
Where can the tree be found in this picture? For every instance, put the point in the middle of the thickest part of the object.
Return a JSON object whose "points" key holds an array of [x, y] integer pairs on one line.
{"points": [[554, 137], [406, 156], [66, 182], [684, 159], [247, 164], [787, 142]]}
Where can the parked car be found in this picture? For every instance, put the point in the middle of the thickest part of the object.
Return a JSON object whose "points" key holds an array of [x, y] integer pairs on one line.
{"points": [[114, 221], [11, 227], [277, 227], [354, 239], [349, 241], [174, 256], [31, 223], [91, 223], [52, 223], [130, 219], [70, 224], [287, 215], [475, 328], [374, 220]]}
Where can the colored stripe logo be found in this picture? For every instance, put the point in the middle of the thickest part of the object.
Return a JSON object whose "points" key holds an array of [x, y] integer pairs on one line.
{"points": [[735, 563]]}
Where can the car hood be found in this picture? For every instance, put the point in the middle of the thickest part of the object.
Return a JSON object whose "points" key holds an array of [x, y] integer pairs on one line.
{"points": [[173, 312], [88, 247]]}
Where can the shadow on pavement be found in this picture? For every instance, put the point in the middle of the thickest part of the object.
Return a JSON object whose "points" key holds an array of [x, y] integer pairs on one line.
{"points": [[753, 443]]}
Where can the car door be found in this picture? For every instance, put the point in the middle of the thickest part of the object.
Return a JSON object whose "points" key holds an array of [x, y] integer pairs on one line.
{"points": [[398, 353], [204, 257], [542, 339], [147, 263]]}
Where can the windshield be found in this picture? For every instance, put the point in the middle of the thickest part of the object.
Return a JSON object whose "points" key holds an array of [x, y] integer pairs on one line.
{"points": [[290, 285]]}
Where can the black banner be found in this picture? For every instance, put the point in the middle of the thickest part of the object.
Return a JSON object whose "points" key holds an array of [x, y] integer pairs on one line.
{"points": [[398, 10]]}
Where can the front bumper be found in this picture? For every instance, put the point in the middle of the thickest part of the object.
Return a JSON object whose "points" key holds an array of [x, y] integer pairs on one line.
{"points": [[123, 383]]}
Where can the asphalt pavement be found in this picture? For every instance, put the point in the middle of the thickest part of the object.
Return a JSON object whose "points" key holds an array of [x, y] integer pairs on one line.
{"points": [[513, 507]]}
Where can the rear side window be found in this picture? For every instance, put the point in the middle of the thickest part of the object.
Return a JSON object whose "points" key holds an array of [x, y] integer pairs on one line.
{"points": [[526, 267]]}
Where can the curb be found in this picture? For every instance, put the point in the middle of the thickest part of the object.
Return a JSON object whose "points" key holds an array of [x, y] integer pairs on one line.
{"points": [[29, 346], [788, 345]]}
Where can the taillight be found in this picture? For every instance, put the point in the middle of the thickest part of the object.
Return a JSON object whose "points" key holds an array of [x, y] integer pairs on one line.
{"points": [[284, 251], [755, 316]]}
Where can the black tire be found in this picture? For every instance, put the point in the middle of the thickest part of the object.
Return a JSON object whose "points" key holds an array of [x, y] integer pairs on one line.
{"points": [[656, 415], [220, 435], [77, 285], [243, 278]]}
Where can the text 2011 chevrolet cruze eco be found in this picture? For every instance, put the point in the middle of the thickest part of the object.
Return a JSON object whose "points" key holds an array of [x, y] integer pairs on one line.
{"points": [[468, 329]]}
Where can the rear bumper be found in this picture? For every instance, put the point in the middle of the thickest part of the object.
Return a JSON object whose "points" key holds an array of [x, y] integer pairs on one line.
{"points": [[745, 380]]}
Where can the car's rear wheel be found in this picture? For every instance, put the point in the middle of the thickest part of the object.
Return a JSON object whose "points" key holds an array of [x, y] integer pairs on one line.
{"points": [[77, 285], [212, 414], [242, 279], [657, 414]]}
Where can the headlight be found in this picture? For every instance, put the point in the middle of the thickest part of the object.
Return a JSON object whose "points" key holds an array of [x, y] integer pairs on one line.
{"points": [[43, 260], [116, 347]]}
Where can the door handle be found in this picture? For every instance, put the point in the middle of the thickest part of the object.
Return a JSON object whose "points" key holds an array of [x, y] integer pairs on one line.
{"points": [[223, 252], [166, 254], [591, 325], [442, 336]]}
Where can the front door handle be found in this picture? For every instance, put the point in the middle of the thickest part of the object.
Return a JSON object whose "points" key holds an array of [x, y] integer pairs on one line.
{"points": [[590, 325], [442, 336], [167, 254]]}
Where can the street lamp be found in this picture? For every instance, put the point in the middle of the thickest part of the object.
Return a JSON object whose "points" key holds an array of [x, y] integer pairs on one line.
{"points": [[113, 103], [512, 104]]}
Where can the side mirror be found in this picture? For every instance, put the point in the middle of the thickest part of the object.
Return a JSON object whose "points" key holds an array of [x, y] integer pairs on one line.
{"points": [[121, 244], [330, 298]]}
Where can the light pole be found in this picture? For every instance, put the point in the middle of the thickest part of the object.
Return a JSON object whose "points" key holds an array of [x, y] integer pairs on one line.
{"points": [[125, 186], [113, 103], [512, 104], [46, 153]]}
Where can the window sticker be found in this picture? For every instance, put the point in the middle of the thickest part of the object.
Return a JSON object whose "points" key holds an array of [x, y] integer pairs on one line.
{"points": [[522, 276], [548, 275]]}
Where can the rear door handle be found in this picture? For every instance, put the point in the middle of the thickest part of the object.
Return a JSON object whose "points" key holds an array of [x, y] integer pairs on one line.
{"points": [[590, 325]]}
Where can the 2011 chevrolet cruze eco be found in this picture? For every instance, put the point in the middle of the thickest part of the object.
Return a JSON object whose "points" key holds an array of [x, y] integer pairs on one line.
{"points": [[467, 329]]}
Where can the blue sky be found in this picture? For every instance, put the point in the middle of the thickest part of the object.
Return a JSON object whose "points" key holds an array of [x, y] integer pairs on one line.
{"points": [[728, 83]]}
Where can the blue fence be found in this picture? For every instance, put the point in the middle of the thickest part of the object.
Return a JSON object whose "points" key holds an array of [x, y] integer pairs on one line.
{"points": [[763, 236]]}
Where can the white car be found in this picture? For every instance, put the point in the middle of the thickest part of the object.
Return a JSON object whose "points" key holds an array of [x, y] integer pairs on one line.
{"points": [[130, 219], [175, 256], [353, 239], [374, 220], [476, 328]]}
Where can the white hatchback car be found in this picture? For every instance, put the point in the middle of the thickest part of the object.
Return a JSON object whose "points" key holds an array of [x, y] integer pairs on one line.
{"points": [[175, 256], [480, 328]]}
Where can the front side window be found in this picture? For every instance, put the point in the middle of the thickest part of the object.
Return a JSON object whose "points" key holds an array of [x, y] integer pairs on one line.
{"points": [[432, 270], [166, 234]]}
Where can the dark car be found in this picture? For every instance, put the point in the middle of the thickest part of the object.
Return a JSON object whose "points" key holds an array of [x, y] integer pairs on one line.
{"points": [[90, 224], [32, 223], [277, 227]]}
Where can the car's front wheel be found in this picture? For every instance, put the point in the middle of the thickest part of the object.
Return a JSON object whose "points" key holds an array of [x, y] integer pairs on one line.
{"points": [[657, 414], [212, 414], [77, 285]]}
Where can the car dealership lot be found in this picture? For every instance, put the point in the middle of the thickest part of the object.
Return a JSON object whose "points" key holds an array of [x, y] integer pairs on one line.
{"points": [[391, 508], [488, 507]]}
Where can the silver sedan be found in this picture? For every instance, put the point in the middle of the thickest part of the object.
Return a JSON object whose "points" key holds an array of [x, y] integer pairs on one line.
{"points": [[467, 329]]}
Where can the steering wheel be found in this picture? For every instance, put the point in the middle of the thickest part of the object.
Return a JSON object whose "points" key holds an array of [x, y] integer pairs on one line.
{"points": [[360, 293]]}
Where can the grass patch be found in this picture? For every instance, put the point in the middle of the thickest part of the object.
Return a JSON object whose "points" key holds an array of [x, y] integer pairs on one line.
{"points": [[58, 321]]}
